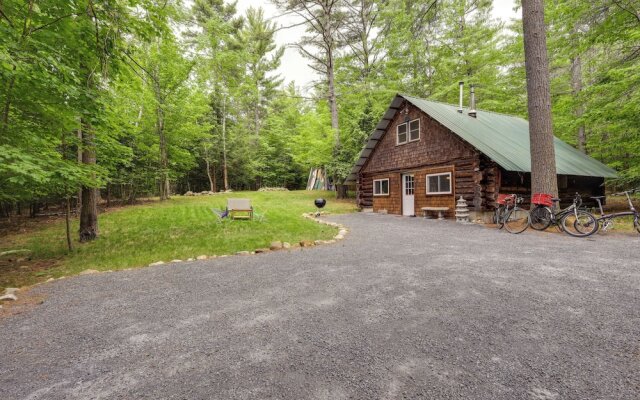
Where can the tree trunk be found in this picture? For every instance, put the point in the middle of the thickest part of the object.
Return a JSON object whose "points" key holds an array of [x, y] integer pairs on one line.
{"points": [[341, 191], [576, 86], [131, 199], [543, 163], [35, 207], [211, 185], [89, 208], [68, 224], [79, 201], [214, 183], [164, 159], [225, 177], [333, 104]]}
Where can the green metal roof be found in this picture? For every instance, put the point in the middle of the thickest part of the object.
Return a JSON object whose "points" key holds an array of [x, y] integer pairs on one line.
{"points": [[503, 138]]}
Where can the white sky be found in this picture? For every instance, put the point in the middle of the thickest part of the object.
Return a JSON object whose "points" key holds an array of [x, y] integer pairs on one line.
{"points": [[294, 66]]}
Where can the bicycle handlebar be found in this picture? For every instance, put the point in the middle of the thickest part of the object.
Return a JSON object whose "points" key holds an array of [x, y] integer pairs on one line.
{"points": [[514, 198], [577, 200], [624, 193]]}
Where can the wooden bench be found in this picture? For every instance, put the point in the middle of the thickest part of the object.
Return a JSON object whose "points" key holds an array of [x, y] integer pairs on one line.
{"points": [[242, 206], [440, 211]]}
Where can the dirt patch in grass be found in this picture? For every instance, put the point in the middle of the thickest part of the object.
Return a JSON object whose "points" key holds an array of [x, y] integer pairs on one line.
{"points": [[23, 269], [26, 302]]}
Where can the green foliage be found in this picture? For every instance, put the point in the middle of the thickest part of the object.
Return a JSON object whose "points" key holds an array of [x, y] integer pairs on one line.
{"points": [[115, 67], [601, 96]]}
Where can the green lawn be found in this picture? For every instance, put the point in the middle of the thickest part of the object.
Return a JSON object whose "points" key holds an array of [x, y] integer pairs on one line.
{"points": [[180, 228]]}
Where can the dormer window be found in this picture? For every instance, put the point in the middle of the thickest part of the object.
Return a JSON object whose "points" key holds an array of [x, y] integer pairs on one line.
{"points": [[408, 132]]}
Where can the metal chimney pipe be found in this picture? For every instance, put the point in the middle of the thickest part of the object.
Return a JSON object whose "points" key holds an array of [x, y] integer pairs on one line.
{"points": [[472, 103], [461, 83]]}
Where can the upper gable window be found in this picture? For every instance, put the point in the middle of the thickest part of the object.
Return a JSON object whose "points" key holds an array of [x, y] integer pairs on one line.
{"points": [[408, 132]]}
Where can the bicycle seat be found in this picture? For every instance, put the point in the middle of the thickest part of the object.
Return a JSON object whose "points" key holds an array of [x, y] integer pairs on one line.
{"points": [[598, 197]]}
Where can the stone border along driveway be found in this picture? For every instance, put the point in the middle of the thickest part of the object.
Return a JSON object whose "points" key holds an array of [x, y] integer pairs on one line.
{"points": [[402, 308], [276, 245], [10, 294]]}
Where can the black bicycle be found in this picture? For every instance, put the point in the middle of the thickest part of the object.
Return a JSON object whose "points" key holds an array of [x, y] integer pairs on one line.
{"points": [[571, 220], [605, 221], [510, 215]]}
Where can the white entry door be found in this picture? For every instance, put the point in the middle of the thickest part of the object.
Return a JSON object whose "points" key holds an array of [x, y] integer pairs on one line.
{"points": [[408, 188]]}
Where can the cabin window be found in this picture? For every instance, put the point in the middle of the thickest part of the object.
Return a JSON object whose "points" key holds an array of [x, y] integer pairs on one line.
{"points": [[439, 183], [408, 132], [381, 187]]}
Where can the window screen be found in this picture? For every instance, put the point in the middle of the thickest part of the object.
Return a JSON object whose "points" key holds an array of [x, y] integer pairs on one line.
{"points": [[414, 130], [402, 133], [439, 183], [380, 187]]}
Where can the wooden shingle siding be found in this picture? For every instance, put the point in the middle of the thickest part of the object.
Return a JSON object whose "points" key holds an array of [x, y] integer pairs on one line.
{"points": [[391, 203], [438, 150], [437, 145], [423, 199]]}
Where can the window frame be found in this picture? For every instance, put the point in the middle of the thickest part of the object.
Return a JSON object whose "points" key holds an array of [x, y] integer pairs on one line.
{"points": [[438, 174], [388, 187], [407, 132]]}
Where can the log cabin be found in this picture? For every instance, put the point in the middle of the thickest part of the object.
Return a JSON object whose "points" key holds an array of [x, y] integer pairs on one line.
{"points": [[427, 154]]}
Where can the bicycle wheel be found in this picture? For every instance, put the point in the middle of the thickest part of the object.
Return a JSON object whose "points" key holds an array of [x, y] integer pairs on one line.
{"points": [[517, 220], [540, 218], [636, 223], [498, 216], [579, 223]]}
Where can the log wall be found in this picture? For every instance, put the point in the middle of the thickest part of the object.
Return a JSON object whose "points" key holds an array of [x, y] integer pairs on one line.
{"points": [[476, 178], [438, 150]]}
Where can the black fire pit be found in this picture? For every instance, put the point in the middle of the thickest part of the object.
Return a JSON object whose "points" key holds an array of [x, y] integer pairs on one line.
{"points": [[320, 203]]}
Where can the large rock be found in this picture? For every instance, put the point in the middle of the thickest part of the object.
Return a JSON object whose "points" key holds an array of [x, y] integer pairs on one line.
{"points": [[11, 297], [202, 257], [156, 263], [286, 245], [276, 245], [306, 243], [11, 290], [89, 272], [189, 193], [265, 250]]}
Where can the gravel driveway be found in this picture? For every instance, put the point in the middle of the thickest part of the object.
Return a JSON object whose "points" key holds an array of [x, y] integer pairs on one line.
{"points": [[402, 308]]}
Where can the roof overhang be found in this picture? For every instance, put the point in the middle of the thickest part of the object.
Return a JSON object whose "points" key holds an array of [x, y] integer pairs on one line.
{"points": [[503, 138], [374, 138]]}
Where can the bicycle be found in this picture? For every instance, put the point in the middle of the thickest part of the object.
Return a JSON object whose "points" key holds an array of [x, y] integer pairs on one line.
{"points": [[571, 220], [510, 215], [607, 219]]}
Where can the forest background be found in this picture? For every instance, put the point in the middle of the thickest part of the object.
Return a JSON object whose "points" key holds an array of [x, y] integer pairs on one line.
{"points": [[153, 97]]}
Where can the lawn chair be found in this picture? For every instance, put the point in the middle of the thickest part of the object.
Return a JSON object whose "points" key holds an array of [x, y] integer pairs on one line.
{"points": [[239, 208], [259, 216], [220, 214]]}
